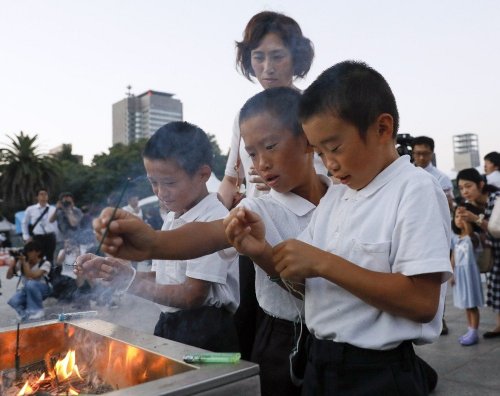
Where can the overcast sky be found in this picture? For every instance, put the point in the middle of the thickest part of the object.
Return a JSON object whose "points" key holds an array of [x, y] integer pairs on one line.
{"points": [[64, 63]]}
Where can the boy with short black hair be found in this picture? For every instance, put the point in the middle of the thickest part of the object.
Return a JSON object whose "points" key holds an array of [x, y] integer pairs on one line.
{"points": [[197, 297], [376, 253]]}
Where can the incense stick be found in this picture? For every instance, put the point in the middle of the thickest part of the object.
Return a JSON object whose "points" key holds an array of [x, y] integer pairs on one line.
{"points": [[106, 230], [17, 357]]}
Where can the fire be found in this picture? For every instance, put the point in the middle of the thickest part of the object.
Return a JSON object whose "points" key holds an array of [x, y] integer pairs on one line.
{"points": [[66, 367], [63, 369], [25, 390]]}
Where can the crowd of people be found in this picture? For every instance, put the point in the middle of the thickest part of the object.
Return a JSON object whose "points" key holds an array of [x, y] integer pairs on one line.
{"points": [[54, 236], [304, 273]]}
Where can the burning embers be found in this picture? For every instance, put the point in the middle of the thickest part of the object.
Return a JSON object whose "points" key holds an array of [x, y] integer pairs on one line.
{"points": [[61, 378], [64, 359]]}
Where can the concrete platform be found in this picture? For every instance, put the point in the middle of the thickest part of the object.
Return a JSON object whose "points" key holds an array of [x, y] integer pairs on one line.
{"points": [[463, 371]]}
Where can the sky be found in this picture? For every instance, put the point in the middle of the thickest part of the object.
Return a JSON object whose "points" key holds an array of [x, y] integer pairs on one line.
{"points": [[64, 63]]}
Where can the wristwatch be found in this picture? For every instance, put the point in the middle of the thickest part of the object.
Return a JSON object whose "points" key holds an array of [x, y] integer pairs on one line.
{"points": [[480, 219]]}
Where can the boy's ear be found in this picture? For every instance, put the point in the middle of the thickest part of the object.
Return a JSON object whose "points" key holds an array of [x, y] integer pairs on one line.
{"points": [[205, 172], [385, 126]]}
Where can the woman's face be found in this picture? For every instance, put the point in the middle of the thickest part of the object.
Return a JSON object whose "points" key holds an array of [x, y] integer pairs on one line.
{"points": [[489, 167], [470, 190], [272, 62]]}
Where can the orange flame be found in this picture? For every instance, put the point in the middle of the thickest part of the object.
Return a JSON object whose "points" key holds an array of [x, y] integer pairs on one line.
{"points": [[66, 367], [72, 391], [25, 390]]}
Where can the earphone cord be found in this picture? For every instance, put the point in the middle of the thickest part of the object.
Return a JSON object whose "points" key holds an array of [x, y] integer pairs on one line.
{"points": [[290, 287]]}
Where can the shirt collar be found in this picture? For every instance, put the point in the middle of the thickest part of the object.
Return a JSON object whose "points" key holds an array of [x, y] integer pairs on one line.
{"points": [[384, 177], [200, 208], [429, 167], [296, 204]]}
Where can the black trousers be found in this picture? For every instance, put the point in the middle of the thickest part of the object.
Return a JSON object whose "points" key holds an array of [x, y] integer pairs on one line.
{"points": [[248, 314], [205, 327], [343, 369], [274, 342], [48, 242]]}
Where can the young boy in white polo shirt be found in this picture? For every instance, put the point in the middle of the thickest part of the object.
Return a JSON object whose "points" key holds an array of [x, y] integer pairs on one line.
{"points": [[197, 297], [275, 141], [376, 253]]}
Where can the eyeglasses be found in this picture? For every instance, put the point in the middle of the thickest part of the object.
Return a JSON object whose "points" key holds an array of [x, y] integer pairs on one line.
{"points": [[422, 153]]}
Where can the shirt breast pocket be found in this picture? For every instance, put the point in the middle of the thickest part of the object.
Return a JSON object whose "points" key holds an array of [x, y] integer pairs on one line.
{"points": [[373, 256]]}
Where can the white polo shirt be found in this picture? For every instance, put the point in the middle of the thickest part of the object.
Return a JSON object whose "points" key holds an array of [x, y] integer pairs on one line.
{"points": [[444, 181], [399, 223], [285, 216], [220, 268], [494, 178]]}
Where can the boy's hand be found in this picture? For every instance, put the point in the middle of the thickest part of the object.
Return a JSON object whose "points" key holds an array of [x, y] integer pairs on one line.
{"points": [[128, 236], [115, 271], [246, 232], [295, 260]]}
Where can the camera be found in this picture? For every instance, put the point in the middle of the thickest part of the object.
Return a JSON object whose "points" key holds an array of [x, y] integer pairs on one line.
{"points": [[17, 252], [66, 204], [403, 144]]}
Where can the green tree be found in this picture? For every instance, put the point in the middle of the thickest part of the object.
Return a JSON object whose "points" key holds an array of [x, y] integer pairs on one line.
{"points": [[24, 170], [111, 170], [66, 154], [219, 163]]}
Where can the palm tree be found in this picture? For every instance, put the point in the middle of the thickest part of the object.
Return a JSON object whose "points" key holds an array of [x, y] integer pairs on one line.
{"points": [[24, 170]]}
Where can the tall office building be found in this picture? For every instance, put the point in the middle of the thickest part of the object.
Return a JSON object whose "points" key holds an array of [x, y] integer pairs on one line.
{"points": [[466, 151], [140, 116]]}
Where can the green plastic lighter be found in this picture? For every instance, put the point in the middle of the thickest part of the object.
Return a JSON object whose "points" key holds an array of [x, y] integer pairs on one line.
{"points": [[223, 357]]}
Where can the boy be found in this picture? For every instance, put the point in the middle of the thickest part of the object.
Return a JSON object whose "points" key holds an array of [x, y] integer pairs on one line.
{"points": [[197, 297], [275, 141], [376, 253], [33, 270]]}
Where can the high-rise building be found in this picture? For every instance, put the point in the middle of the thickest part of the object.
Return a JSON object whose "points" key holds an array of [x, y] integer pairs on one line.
{"points": [[466, 151], [140, 116]]}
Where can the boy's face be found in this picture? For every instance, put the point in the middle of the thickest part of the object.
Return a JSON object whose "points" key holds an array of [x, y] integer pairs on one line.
{"points": [[422, 155], [350, 159], [283, 160], [176, 190]]}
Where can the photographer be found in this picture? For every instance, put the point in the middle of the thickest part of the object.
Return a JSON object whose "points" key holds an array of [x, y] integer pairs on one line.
{"points": [[36, 225], [68, 216], [33, 272]]}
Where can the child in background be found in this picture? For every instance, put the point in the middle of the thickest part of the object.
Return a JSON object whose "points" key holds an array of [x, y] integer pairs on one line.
{"points": [[197, 297], [467, 288]]}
